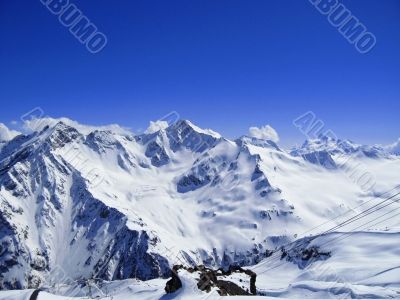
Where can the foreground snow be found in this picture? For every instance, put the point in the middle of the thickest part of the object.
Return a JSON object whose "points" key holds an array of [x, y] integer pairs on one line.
{"points": [[354, 270], [362, 265]]}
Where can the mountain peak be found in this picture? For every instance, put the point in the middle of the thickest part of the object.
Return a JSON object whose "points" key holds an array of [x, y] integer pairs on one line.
{"points": [[337, 146], [60, 125], [243, 140], [183, 124], [61, 134], [185, 134]]}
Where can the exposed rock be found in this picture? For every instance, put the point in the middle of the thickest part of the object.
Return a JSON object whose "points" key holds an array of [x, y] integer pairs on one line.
{"points": [[157, 153], [184, 134], [174, 283], [321, 158], [227, 288], [303, 256], [208, 279]]}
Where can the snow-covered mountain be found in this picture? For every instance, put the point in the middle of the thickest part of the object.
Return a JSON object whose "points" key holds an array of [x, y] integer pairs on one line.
{"points": [[394, 148], [103, 203]]}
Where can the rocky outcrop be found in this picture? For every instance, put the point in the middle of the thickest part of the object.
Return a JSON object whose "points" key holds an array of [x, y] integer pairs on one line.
{"points": [[174, 283], [202, 173], [321, 158], [209, 279], [156, 152], [302, 254]]}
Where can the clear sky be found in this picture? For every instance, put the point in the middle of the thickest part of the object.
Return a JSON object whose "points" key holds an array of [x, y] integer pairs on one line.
{"points": [[223, 64]]}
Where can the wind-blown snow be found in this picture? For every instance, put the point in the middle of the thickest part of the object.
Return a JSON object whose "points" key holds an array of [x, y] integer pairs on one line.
{"points": [[156, 126], [264, 132], [7, 134]]}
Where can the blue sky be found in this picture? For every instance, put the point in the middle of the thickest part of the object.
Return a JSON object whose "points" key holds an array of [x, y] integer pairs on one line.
{"points": [[225, 65]]}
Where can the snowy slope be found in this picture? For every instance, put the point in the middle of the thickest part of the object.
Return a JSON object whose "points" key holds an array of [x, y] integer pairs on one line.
{"points": [[354, 270], [362, 265], [80, 202]]}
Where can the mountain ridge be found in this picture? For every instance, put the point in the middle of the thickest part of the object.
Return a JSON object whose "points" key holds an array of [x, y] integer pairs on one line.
{"points": [[112, 197]]}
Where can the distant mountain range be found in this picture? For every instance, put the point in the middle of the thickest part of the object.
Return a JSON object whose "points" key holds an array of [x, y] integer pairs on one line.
{"points": [[105, 203]]}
